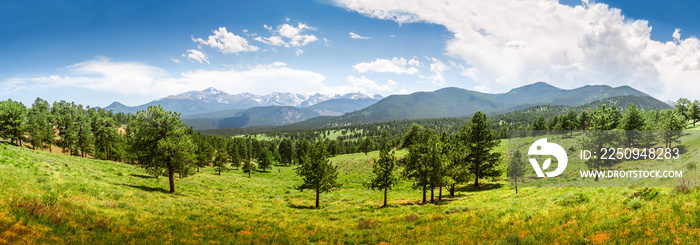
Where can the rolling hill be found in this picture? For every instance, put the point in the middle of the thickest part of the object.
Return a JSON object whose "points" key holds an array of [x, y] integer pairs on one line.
{"points": [[456, 102]]}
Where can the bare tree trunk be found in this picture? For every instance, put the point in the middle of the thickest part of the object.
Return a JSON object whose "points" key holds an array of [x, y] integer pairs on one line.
{"points": [[440, 194], [424, 194], [432, 195], [452, 190]]}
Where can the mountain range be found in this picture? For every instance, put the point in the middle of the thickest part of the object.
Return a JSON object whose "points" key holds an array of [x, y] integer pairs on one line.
{"points": [[213, 100], [212, 109], [456, 102]]}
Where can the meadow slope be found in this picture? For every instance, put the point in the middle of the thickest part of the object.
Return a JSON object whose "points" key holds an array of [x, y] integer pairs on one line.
{"points": [[57, 199]]}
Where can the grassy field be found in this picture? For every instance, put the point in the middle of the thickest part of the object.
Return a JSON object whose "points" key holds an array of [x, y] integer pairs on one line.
{"points": [[57, 199]]}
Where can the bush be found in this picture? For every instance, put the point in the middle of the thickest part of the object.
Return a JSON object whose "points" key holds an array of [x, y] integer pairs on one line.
{"points": [[571, 200], [645, 193], [634, 203], [366, 224]]}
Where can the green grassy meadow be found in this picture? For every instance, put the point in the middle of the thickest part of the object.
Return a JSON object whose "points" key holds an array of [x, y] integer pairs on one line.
{"points": [[56, 199]]}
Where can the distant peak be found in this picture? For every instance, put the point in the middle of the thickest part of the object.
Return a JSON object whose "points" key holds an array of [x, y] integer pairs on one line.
{"points": [[212, 90]]}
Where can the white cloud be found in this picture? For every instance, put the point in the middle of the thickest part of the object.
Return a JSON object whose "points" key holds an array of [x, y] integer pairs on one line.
{"points": [[196, 55], [395, 65], [289, 36], [360, 84], [437, 68], [357, 36], [505, 43], [226, 42], [176, 60], [130, 78]]}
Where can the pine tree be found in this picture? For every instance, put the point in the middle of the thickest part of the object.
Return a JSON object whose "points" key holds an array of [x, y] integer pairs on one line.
{"points": [[366, 145], [161, 142], [220, 161], [516, 168], [248, 166], [317, 172], [39, 126], [286, 149], [383, 170], [264, 160], [13, 116], [480, 143]]}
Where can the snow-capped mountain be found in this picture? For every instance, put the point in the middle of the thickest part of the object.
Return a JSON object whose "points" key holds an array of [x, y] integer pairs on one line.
{"points": [[212, 99], [213, 95]]}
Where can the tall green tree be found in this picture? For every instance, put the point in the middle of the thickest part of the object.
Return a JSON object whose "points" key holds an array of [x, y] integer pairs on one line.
{"points": [[39, 126], [383, 177], [63, 114], [418, 165], [366, 145], [516, 168], [317, 172], [480, 143], [13, 116], [682, 107], [632, 122], [601, 135], [220, 161], [694, 111], [248, 166], [161, 141], [411, 135], [264, 160], [84, 138], [286, 149], [303, 147]]}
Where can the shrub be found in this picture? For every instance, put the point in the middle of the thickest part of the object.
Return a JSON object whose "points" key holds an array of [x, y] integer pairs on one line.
{"points": [[571, 200], [411, 218], [366, 224], [634, 203]]}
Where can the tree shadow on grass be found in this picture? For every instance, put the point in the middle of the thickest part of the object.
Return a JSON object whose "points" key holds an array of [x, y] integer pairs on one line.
{"points": [[482, 187], [148, 188], [142, 176], [296, 206]]}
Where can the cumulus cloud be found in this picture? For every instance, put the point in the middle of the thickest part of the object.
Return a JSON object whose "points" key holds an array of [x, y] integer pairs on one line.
{"points": [[357, 36], [130, 78], [437, 68], [226, 42], [395, 65], [287, 35], [196, 55], [508, 43], [176, 60]]}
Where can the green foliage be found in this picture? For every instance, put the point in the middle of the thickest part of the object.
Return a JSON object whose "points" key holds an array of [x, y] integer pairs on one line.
{"points": [[13, 115], [286, 150], [264, 160], [221, 161], [367, 145], [39, 126], [480, 141], [317, 172], [383, 177], [572, 199], [248, 167], [516, 168], [161, 142]]}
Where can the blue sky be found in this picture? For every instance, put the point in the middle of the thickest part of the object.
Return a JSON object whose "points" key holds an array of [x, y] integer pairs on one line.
{"points": [[96, 52]]}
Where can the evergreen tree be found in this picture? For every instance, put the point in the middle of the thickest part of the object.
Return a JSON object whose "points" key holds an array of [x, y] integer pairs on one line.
{"points": [[411, 135], [600, 136], [516, 168], [333, 148], [682, 107], [286, 149], [84, 138], [303, 148], [480, 143], [248, 166], [417, 165], [13, 116], [366, 145], [205, 153], [317, 172], [161, 142], [264, 160], [383, 170], [632, 122], [694, 111], [39, 126], [220, 161], [583, 120]]}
